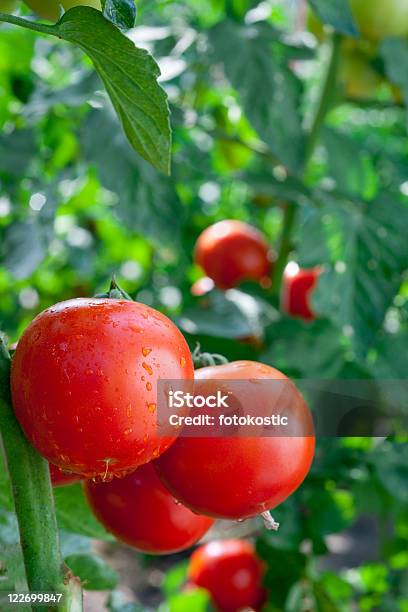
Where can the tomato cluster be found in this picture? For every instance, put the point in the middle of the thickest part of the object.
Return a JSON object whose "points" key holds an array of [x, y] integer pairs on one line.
{"points": [[231, 252], [84, 383]]}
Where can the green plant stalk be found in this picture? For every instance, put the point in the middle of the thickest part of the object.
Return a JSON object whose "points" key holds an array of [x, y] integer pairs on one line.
{"points": [[34, 507], [290, 212], [43, 28]]}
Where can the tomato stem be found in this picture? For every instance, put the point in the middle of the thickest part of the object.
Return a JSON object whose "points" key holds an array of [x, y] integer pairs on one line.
{"points": [[202, 360], [43, 28], [34, 506], [115, 292], [269, 521], [291, 209]]}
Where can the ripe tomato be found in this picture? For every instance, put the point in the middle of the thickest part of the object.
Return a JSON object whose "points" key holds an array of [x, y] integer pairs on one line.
{"points": [[380, 19], [298, 285], [47, 9], [139, 511], [60, 478], [94, 412], [231, 572], [231, 251], [239, 477]]}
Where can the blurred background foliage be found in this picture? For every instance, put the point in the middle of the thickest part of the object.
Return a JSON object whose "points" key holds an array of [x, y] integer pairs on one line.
{"points": [[76, 204]]}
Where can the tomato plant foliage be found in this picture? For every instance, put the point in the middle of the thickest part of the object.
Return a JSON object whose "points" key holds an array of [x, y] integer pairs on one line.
{"points": [[85, 143]]}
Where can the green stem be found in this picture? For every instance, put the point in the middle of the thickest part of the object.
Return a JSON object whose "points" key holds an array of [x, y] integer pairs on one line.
{"points": [[290, 213], [29, 25], [285, 246], [327, 95], [34, 506]]}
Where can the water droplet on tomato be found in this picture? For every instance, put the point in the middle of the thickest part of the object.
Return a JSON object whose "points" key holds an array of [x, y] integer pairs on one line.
{"points": [[148, 368]]}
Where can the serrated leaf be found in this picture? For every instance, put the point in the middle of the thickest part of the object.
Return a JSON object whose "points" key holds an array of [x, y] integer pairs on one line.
{"points": [[121, 12], [256, 65], [292, 345], [336, 13], [147, 202], [365, 245], [359, 178], [130, 77]]}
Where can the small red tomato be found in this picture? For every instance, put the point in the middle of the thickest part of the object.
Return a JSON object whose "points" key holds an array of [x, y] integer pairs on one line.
{"points": [[232, 573], [238, 477], [139, 511], [84, 383], [231, 251], [60, 478], [298, 285]]}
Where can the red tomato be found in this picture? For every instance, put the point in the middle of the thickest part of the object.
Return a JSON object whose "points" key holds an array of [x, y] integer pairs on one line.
{"points": [[94, 412], [231, 572], [298, 285], [238, 477], [139, 511], [60, 478], [231, 251]]}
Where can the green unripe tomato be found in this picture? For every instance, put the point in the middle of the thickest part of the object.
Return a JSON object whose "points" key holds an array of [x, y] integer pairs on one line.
{"points": [[47, 9], [67, 4], [378, 19], [7, 6]]}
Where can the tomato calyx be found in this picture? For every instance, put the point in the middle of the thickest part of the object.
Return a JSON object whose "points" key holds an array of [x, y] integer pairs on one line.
{"points": [[114, 292], [202, 360]]}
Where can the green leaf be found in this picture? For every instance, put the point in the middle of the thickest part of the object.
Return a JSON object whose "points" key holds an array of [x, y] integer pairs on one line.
{"points": [[394, 52], [130, 77], [390, 366], [233, 314], [174, 579], [292, 348], [121, 12], [74, 515], [256, 64], [16, 152], [23, 247], [94, 572], [327, 511], [147, 200], [196, 599], [336, 13], [359, 178], [365, 247], [391, 462]]}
